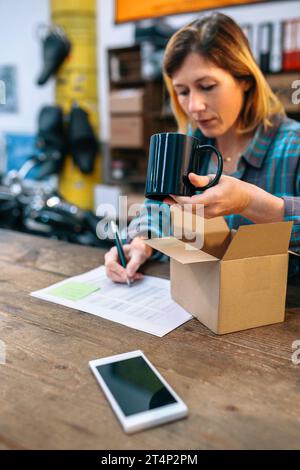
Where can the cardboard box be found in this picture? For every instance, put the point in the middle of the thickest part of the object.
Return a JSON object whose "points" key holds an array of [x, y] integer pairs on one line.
{"points": [[128, 101], [237, 280], [107, 200], [126, 132]]}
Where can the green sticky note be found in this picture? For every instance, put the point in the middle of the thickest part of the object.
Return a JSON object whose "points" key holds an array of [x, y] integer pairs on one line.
{"points": [[73, 290]]}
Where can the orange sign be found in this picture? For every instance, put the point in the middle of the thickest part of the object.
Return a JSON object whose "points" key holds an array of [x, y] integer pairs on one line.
{"points": [[134, 10]]}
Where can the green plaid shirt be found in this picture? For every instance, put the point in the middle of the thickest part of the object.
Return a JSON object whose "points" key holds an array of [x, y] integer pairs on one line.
{"points": [[272, 162]]}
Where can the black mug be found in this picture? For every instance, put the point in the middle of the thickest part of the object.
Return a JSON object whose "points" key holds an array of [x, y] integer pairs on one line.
{"points": [[172, 157]]}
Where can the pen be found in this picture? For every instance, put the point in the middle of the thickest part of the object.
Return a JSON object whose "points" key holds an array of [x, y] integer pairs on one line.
{"points": [[119, 248]]}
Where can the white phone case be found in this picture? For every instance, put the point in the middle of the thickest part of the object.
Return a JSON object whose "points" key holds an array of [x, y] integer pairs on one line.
{"points": [[146, 419]]}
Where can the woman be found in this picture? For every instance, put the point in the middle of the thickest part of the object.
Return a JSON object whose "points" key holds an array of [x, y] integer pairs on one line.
{"points": [[218, 91]]}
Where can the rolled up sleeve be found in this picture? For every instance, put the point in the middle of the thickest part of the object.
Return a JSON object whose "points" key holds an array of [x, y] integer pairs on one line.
{"points": [[154, 221]]}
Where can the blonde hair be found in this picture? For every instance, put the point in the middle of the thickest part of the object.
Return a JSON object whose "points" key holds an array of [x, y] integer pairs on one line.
{"points": [[219, 39]]}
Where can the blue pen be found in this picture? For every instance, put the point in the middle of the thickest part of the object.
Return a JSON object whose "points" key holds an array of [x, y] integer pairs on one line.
{"points": [[119, 248]]}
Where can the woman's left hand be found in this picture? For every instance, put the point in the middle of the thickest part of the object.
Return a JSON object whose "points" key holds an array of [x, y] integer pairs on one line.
{"points": [[229, 196], [234, 196]]}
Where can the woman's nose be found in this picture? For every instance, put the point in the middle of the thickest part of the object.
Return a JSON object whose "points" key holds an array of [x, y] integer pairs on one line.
{"points": [[196, 104]]}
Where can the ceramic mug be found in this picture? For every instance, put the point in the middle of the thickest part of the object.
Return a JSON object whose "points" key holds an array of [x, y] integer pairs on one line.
{"points": [[172, 156]]}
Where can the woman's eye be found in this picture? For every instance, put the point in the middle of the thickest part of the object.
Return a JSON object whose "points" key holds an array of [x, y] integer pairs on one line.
{"points": [[208, 87], [182, 93]]}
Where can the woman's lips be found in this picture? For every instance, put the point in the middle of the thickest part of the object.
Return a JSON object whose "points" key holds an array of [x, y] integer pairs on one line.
{"points": [[205, 122]]}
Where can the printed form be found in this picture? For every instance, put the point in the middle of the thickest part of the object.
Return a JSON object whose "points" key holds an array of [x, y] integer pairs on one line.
{"points": [[145, 306]]}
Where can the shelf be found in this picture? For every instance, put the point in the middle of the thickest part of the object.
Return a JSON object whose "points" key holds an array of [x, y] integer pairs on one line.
{"points": [[162, 115], [282, 74], [129, 180], [137, 82], [135, 115]]}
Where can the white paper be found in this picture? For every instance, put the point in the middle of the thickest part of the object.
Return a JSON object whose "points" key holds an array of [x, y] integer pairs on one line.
{"points": [[146, 305]]}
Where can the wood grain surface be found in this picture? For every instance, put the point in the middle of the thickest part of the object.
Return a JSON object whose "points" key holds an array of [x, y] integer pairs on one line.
{"points": [[242, 389]]}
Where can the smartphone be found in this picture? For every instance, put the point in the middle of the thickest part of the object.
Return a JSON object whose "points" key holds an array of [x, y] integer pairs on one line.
{"points": [[136, 391]]}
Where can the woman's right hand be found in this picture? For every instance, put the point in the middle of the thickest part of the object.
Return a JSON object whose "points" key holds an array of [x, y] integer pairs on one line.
{"points": [[137, 252]]}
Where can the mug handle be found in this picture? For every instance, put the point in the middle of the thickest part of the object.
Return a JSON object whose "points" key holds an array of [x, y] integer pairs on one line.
{"points": [[219, 170]]}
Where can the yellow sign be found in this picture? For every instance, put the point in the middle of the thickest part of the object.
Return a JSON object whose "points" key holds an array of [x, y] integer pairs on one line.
{"points": [[133, 10]]}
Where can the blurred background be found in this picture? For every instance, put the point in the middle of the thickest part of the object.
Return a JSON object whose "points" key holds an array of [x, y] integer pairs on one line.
{"points": [[82, 93]]}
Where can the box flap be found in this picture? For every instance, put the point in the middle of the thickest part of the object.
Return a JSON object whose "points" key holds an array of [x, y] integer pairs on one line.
{"points": [[259, 240], [214, 233], [217, 236], [178, 250]]}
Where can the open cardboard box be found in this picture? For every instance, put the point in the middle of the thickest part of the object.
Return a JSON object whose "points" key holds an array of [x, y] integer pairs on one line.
{"points": [[237, 280]]}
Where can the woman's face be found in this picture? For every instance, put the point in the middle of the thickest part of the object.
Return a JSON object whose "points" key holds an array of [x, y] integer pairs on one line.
{"points": [[209, 95]]}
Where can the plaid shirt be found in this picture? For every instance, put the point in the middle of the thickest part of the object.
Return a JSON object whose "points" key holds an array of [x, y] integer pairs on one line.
{"points": [[272, 162]]}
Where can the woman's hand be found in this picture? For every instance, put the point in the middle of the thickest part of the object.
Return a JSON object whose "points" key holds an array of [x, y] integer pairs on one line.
{"points": [[137, 252], [233, 196]]}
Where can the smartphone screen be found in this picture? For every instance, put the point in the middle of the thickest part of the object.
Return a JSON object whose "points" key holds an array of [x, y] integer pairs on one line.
{"points": [[135, 386]]}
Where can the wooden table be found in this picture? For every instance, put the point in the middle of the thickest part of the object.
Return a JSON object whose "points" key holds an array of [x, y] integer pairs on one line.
{"points": [[242, 389]]}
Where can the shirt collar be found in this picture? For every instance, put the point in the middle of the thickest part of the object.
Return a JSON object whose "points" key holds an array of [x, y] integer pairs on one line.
{"points": [[259, 145], [261, 142]]}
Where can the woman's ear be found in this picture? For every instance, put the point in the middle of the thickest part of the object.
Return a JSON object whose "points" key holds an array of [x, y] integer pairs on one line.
{"points": [[246, 84]]}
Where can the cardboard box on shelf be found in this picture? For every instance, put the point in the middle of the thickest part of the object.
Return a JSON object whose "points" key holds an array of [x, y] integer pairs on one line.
{"points": [[126, 132], [117, 202], [106, 199], [126, 101], [237, 280]]}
